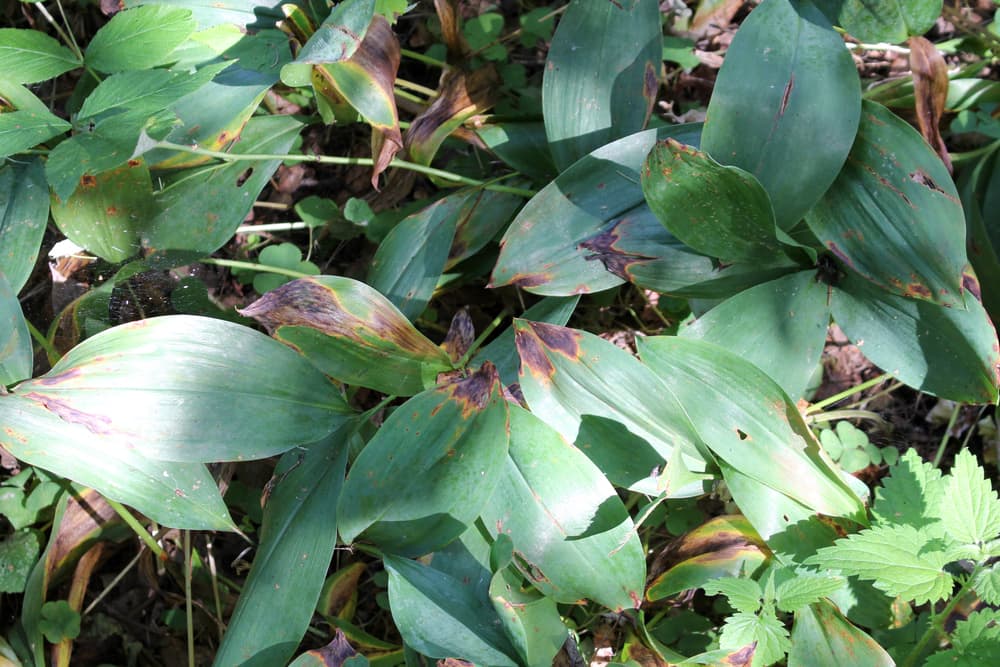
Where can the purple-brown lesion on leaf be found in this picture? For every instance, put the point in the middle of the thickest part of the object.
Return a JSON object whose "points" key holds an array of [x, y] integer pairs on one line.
{"points": [[532, 353], [917, 290], [524, 280], [100, 424], [921, 177], [559, 339], [61, 378], [616, 261], [474, 392], [741, 658], [841, 255], [971, 284], [786, 95]]}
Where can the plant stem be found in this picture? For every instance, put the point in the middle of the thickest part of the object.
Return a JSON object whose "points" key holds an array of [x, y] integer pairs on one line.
{"points": [[845, 414], [427, 60], [262, 268], [416, 87], [973, 154], [137, 528], [936, 626], [50, 350], [188, 606], [68, 38], [271, 227], [490, 328], [335, 159], [836, 398], [947, 434]]}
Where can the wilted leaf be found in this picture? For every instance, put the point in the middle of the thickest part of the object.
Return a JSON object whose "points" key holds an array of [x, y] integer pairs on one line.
{"points": [[334, 654], [352, 333], [461, 334], [930, 91]]}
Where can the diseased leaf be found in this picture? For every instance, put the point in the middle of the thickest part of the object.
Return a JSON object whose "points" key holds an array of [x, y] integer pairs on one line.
{"points": [[337, 653], [821, 636], [571, 534], [164, 389], [785, 106], [352, 333], [31, 56], [930, 89], [898, 222], [764, 631], [340, 34], [429, 470], [972, 513], [605, 59], [716, 210], [530, 620]]}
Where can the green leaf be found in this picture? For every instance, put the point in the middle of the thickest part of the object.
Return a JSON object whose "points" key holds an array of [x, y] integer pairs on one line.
{"points": [[716, 210], [530, 620], [282, 256], [441, 616], [429, 470], [804, 588], [296, 545], [899, 222], [521, 145], [972, 513], [16, 354], [139, 39], [201, 208], [986, 584], [566, 374], [25, 121], [743, 594], [947, 352], [59, 621], [912, 493], [541, 251], [746, 420], [786, 105], [779, 326], [975, 642], [723, 547], [164, 388], [24, 212], [340, 34], [822, 637], [627, 460], [409, 262], [30, 56], [352, 333], [481, 219], [765, 631], [897, 559], [18, 553], [882, 20], [604, 58], [572, 537]]}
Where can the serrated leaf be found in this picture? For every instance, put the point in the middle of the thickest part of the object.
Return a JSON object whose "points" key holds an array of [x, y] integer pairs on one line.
{"points": [[743, 594], [31, 56], [805, 588], [352, 333], [911, 494], [972, 513], [895, 558], [975, 643], [765, 630], [986, 584], [139, 39]]}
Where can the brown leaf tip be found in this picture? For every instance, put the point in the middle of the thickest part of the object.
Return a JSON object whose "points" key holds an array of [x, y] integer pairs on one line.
{"points": [[475, 391], [560, 339]]}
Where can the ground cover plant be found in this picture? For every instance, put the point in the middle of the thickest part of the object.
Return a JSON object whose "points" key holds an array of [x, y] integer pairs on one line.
{"points": [[414, 438]]}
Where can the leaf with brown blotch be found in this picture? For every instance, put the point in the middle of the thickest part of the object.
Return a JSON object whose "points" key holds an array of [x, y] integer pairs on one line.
{"points": [[930, 89], [460, 335], [334, 654], [462, 95], [451, 30]]}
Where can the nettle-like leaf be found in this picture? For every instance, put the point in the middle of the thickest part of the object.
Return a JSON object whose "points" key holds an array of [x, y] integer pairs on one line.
{"points": [[763, 629], [743, 594], [975, 642], [352, 333], [972, 511], [986, 584], [805, 588], [898, 559], [911, 494]]}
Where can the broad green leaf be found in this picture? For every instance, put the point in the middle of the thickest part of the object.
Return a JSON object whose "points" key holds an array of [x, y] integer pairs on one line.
{"points": [[882, 20], [297, 539], [566, 373], [246, 14], [972, 512], [201, 208], [716, 210], [16, 355], [521, 145], [352, 333], [429, 470], [627, 460], [106, 213], [601, 75], [822, 637], [338, 653], [441, 617], [764, 632], [805, 588], [25, 121], [340, 34], [18, 553], [948, 352], [898, 559], [748, 421], [530, 620], [181, 495], [743, 594], [164, 388], [785, 106], [139, 39], [898, 222], [481, 219], [725, 546], [144, 92], [24, 212], [409, 261], [541, 250], [572, 537], [31, 56], [779, 326]]}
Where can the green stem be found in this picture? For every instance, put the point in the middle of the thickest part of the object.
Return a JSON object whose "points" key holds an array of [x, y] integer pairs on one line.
{"points": [[957, 158], [67, 38], [836, 398], [50, 350], [137, 528], [427, 60], [262, 268], [416, 87], [335, 159], [188, 605], [947, 434], [845, 414], [271, 227], [490, 328]]}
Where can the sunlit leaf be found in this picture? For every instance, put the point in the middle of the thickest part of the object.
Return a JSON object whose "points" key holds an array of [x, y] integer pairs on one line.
{"points": [[26, 121], [340, 34], [882, 20], [31, 56], [530, 620], [138, 39]]}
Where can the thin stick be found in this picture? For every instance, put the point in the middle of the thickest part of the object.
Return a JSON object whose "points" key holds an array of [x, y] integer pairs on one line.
{"points": [[836, 398]]}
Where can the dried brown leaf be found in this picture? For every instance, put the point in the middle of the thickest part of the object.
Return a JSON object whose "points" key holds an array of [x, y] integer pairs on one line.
{"points": [[930, 90]]}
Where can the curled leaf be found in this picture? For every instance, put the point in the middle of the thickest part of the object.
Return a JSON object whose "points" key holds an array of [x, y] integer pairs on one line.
{"points": [[930, 90]]}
